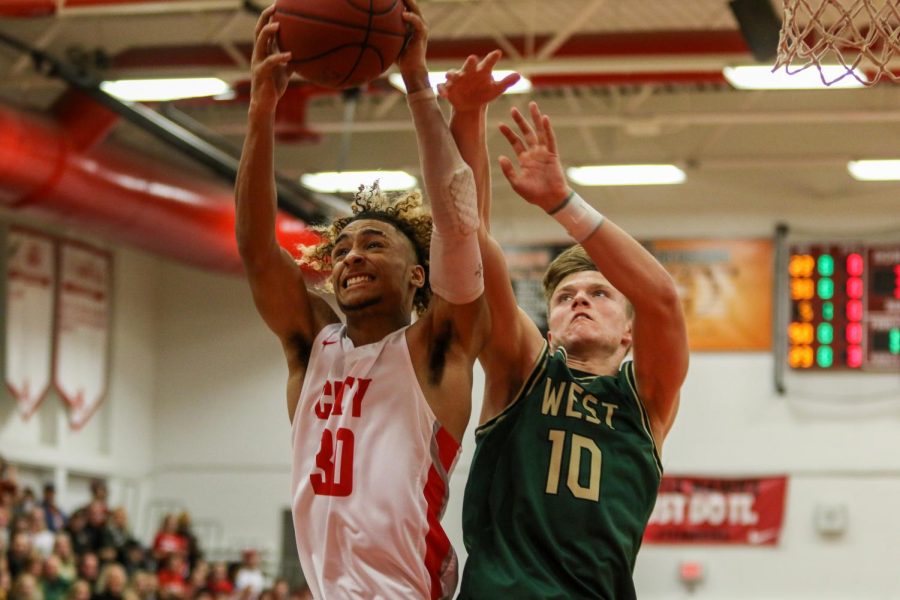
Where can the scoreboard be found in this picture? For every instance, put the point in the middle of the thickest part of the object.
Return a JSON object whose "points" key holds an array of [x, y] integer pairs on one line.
{"points": [[845, 307]]}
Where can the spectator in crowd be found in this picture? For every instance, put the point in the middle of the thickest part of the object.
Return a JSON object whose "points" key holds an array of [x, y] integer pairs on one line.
{"points": [[218, 582], [249, 576], [111, 583], [25, 503], [25, 587], [167, 540], [96, 525], [116, 534], [281, 590], [80, 590], [144, 584], [99, 494], [192, 547], [135, 557], [89, 569], [54, 517], [77, 530], [62, 549], [53, 584], [42, 539], [19, 553], [4, 527], [171, 577]]}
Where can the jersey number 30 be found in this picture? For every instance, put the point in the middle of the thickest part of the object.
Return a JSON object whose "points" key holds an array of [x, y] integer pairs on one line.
{"points": [[577, 449], [334, 462]]}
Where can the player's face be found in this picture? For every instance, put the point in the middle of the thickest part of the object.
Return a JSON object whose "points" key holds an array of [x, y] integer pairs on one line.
{"points": [[587, 314], [374, 265]]}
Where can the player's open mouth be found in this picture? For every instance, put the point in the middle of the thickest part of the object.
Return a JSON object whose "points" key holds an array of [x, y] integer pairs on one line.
{"points": [[356, 280], [581, 316]]}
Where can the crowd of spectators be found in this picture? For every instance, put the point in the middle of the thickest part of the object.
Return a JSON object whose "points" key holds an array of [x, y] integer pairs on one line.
{"points": [[92, 554]]}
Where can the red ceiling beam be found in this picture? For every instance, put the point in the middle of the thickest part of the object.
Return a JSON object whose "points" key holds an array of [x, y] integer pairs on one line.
{"points": [[124, 196]]}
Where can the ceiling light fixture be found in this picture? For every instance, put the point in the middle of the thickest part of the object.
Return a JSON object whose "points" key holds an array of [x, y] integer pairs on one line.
{"points": [[522, 86], [161, 90], [627, 175], [330, 182], [761, 77], [874, 170]]}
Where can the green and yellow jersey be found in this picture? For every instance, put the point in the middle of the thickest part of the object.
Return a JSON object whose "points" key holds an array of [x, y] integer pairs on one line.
{"points": [[561, 487]]}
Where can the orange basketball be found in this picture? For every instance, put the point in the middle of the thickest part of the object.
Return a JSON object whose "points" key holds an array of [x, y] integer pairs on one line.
{"points": [[341, 43]]}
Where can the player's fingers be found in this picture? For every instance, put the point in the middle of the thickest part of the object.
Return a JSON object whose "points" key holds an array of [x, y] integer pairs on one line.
{"points": [[442, 90], [416, 22], [538, 121], [264, 40], [526, 129], [514, 140], [549, 134], [413, 7], [263, 19], [470, 64], [507, 82], [490, 60], [509, 171]]}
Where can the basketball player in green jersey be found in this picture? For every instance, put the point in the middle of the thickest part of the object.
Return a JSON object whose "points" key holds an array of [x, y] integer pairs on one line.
{"points": [[566, 467]]}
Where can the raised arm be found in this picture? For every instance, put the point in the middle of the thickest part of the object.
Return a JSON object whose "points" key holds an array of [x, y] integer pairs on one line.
{"points": [[279, 292], [660, 346], [515, 341]]}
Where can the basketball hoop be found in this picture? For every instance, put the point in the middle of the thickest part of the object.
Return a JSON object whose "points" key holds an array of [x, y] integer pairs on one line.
{"points": [[862, 37]]}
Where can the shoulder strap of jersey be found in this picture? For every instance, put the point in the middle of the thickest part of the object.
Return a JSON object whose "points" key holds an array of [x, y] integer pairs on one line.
{"points": [[537, 371]]}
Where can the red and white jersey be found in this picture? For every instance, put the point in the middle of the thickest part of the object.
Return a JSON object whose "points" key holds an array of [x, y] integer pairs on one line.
{"points": [[371, 475]]}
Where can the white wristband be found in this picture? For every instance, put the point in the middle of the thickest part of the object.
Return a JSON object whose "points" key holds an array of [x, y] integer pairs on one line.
{"points": [[578, 217]]}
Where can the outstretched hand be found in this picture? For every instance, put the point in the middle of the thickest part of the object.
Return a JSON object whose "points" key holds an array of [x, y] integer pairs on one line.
{"points": [[473, 86], [411, 61], [269, 71], [540, 178]]}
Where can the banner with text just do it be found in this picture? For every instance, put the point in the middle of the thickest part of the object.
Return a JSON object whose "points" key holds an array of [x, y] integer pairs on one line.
{"points": [[708, 510]]}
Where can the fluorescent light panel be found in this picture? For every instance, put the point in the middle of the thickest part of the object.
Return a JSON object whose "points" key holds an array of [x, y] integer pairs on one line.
{"points": [[161, 90], [436, 77], [763, 78], [331, 182], [874, 170], [626, 175]]}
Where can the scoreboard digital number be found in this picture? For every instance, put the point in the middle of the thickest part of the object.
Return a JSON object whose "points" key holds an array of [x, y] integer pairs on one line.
{"points": [[845, 307]]}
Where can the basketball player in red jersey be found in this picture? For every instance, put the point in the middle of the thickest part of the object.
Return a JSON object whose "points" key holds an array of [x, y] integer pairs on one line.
{"points": [[377, 404]]}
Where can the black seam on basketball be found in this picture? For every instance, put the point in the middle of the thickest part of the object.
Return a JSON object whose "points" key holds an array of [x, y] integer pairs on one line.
{"points": [[339, 23], [295, 61], [363, 49], [370, 11]]}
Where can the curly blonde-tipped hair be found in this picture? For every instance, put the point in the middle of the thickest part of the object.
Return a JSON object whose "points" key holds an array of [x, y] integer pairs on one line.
{"points": [[403, 210]]}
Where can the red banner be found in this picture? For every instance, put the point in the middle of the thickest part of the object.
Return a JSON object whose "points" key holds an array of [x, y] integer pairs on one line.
{"points": [[708, 510]]}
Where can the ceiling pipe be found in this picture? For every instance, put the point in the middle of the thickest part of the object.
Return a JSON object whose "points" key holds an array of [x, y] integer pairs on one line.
{"points": [[121, 195]]}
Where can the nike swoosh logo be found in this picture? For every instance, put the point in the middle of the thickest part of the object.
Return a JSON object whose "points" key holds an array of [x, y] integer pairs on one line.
{"points": [[761, 537], [327, 342]]}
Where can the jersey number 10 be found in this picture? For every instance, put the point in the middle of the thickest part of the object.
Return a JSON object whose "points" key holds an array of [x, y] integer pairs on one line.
{"points": [[577, 448]]}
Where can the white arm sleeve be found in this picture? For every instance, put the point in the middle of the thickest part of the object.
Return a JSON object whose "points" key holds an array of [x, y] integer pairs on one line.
{"points": [[456, 273]]}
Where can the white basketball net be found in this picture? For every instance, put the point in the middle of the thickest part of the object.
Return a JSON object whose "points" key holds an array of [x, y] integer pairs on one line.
{"points": [[862, 36]]}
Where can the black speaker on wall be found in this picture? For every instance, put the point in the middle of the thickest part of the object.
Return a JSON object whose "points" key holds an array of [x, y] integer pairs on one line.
{"points": [[760, 27]]}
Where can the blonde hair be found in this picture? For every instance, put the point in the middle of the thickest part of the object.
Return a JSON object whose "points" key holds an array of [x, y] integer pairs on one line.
{"points": [[572, 260], [404, 210]]}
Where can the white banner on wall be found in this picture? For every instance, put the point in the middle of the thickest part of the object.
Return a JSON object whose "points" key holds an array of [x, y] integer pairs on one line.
{"points": [[80, 366], [30, 279]]}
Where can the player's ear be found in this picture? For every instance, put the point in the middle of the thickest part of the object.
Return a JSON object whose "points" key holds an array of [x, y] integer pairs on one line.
{"points": [[417, 275]]}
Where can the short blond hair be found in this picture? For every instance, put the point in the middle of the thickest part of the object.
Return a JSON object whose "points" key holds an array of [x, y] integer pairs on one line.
{"points": [[573, 259], [404, 210]]}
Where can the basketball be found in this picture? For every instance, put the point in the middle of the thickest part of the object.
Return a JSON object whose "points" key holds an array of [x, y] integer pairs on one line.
{"points": [[341, 43]]}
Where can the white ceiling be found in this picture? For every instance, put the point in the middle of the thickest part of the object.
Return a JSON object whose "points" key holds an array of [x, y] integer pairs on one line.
{"points": [[646, 91]]}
